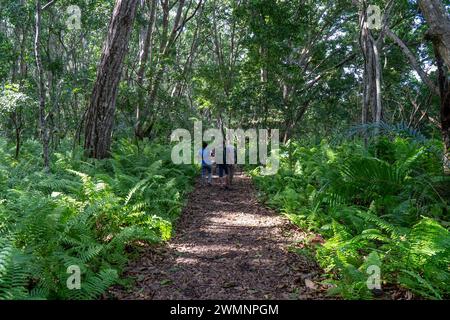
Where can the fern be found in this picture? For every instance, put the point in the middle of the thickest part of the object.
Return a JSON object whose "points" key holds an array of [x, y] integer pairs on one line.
{"points": [[415, 282], [385, 205], [82, 214]]}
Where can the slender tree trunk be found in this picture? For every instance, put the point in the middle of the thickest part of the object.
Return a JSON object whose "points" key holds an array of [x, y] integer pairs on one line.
{"points": [[445, 108], [100, 114], [41, 88], [372, 92], [22, 63], [17, 116], [144, 122], [144, 56], [366, 48], [18, 136], [145, 125], [147, 41], [377, 67], [17, 122]]}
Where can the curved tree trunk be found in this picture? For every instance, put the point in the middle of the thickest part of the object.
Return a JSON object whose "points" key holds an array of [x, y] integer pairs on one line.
{"points": [[100, 114]]}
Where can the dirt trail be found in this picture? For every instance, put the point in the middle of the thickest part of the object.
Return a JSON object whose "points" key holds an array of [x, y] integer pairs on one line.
{"points": [[227, 246]]}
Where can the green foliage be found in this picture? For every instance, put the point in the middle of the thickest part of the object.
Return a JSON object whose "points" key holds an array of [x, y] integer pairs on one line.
{"points": [[11, 99], [386, 205], [82, 214], [7, 55]]}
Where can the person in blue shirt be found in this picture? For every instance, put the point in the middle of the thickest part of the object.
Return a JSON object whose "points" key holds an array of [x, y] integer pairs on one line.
{"points": [[205, 155]]}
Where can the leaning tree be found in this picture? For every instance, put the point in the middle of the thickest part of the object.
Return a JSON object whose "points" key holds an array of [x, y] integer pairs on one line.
{"points": [[100, 114]]}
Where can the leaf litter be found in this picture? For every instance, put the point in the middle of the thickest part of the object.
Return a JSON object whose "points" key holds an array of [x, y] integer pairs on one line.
{"points": [[227, 245]]}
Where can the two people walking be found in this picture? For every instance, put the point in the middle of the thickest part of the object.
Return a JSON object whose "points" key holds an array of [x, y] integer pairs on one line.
{"points": [[224, 159]]}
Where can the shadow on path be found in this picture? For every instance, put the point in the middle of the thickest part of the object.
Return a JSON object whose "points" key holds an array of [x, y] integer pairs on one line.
{"points": [[227, 246]]}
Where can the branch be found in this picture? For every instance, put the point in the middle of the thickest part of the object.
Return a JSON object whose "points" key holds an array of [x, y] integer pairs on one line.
{"points": [[48, 5], [190, 17], [186, 20], [433, 120], [412, 59], [322, 74]]}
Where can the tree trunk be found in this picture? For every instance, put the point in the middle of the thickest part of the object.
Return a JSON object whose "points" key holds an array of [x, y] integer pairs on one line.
{"points": [[377, 67], [369, 75], [439, 33], [144, 56], [438, 20], [100, 114], [41, 88], [146, 121], [17, 116], [445, 108], [372, 96], [17, 123]]}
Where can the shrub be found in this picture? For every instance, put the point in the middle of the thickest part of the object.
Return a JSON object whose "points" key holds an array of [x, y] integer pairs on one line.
{"points": [[390, 199], [83, 214]]}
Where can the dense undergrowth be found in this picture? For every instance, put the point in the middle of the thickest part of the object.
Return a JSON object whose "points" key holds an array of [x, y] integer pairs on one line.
{"points": [[83, 214], [386, 205]]}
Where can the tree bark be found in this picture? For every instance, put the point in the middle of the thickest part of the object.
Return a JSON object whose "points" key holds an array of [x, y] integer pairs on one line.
{"points": [[147, 40], [144, 56], [45, 136], [445, 109], [144, 125], [372, 98], [438, 21], [439, 33], [377, 67], [372, 49], [100, 114]]}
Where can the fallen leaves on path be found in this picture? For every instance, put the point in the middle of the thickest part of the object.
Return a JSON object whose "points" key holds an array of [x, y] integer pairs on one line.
{"points": [[227, 246]]}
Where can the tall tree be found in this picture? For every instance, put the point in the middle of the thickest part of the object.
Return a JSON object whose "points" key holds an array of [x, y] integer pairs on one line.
{"points": [[439, 34], [145, 120], [100, 114], [144, 53], [371, 48], [45, 135]]}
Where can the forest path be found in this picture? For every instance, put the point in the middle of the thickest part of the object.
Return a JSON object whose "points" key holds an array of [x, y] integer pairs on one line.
{"points": [[227, 246]]}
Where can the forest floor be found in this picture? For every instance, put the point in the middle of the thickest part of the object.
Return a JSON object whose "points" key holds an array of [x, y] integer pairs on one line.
{"points": [[227, 245]]}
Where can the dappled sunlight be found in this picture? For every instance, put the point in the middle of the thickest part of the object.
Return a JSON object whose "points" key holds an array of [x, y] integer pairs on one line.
{"points": [[212, 249], [224, 149], [227, 246], [237, 220], [186, 261]]}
